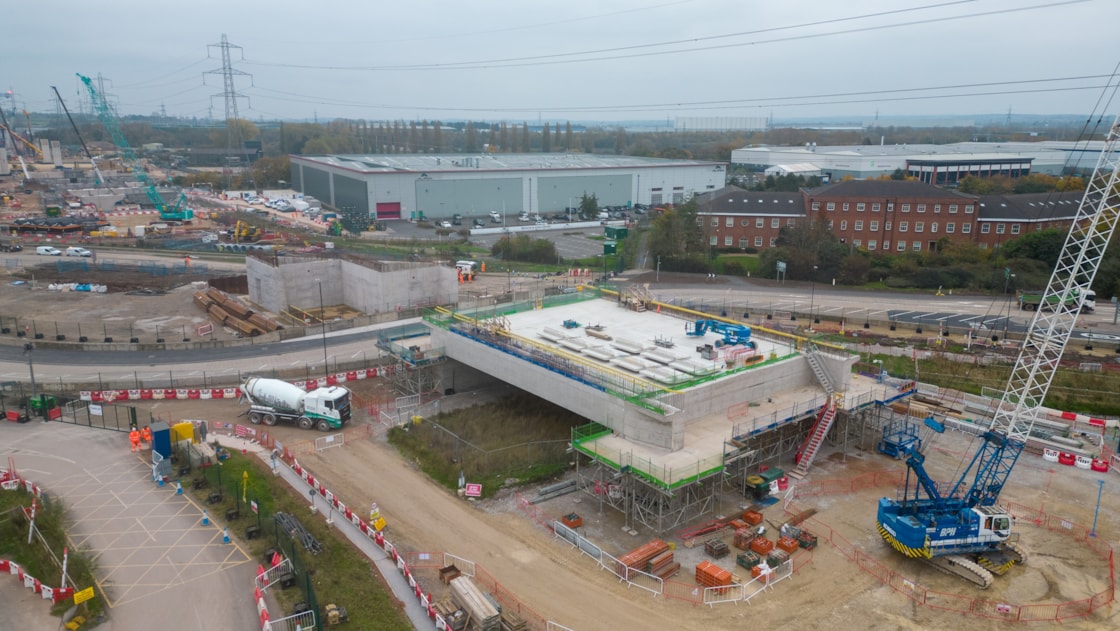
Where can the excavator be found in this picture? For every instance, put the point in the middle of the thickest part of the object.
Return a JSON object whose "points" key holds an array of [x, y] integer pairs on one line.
{"points": [[962, 529]]}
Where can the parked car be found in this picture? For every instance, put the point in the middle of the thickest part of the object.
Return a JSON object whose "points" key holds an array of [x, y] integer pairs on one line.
{"points": [[495, 215], [445, 224], [477, 223], [46, 250], [76, 251], [457, 219]]}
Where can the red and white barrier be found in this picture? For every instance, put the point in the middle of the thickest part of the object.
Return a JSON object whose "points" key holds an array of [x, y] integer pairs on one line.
{"points": [[10, 481], [109, 396], [378, 538]]}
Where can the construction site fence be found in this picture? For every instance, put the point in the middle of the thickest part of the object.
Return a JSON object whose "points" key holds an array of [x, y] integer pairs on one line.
{"points": [[669, 588], [959, 603], [154, 379], [120, 418]]}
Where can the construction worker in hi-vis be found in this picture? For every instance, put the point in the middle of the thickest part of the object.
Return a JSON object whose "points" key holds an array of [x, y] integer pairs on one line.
{"points": [[134, 438]]}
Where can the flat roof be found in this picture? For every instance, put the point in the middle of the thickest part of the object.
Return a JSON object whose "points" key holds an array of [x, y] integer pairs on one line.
{"points": [[462, 163]]}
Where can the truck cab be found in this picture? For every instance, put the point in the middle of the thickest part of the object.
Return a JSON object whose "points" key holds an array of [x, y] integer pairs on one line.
{"points": [[331, 403]]}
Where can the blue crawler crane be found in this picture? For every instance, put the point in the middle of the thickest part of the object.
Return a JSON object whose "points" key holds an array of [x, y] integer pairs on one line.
{"points": [[962, 529]]}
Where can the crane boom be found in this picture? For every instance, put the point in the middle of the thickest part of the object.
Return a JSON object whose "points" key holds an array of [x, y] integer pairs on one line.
{"points": [[1049, 331], [177, 212], [25, 141], [92, 160], [964, 531]]}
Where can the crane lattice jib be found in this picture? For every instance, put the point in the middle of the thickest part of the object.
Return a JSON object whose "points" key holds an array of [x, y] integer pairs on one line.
{"points": [[1049, 331], [109, 119]]}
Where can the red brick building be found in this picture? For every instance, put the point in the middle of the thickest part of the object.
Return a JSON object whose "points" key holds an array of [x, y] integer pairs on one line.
{"points": [[880, 215], [1006, 217], [893, 215]]}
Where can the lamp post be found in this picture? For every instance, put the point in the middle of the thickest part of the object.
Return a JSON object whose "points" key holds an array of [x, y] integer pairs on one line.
{"points": [[657, 276], [323, 320], [812, 296], [28, 349], [1007, 276]]}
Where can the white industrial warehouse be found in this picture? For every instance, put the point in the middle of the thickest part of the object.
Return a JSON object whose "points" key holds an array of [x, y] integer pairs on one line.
{"points": [[439, 186]]}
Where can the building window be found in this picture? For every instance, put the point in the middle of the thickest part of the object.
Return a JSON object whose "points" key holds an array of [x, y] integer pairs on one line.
{"points": [[985, 228], [713, 241], [655, 199], [699, 221], [936, 208], [678, 198], [921, 208], [933, 227], [816, 205], [775, 223], [759, 222], [773, 241], [746, 223], [952, 209], [789, 222], [871, 244], [715, 222], [950, 228], [1000, 228], [1014, 228], [857, 242], [727, 242], [903, 226], [845, 206], [860, 207], [875, 207], [886, 246], [843, 225], [968, 209], [916, 246], [758, 242], [906, 208], [831, 206], [966, 228], [730, 223], [831, 224], [887, 226], [874, 226], [919, 226], [743, 243], [890, 208], [859, 226], [901, 246]]}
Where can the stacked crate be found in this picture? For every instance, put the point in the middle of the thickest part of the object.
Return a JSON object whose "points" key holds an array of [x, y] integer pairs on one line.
{"points": [[743, 538], [753, 518], [787, 544], [807, 540], [709, 574], [716, 548], [762, 545], [747, 559], [776, 558]]}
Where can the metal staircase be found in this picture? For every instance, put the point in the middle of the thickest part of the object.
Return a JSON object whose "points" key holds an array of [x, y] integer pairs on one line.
{"points": [[814, 357], [812, 444]]}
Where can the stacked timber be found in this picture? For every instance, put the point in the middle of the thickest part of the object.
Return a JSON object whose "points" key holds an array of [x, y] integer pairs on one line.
{"points": [[482, 615], [639, 557], [663, 565], [511, 621]]}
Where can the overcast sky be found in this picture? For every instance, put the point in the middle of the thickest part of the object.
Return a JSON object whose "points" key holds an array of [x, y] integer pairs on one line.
{"points": [[568, 59]]}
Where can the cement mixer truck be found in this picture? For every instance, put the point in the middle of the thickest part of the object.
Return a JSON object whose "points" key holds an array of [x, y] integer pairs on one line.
{"points": [[273, 400]]}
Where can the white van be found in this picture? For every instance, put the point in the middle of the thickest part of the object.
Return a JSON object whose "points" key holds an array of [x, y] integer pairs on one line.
{"points": [[467, 267], [46, 250]]}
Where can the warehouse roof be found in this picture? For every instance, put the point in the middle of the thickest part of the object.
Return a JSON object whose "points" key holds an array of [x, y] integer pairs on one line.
{"points": [[432, 163]]}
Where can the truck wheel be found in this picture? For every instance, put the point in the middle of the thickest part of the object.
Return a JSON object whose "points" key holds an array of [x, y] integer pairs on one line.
{"points": [[1029, 307], [304, 422], [255, 418], [269, 419], [324, 426]]}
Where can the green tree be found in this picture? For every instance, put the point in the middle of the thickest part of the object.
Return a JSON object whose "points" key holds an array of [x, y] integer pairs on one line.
{"points": [[1041, 245], [568, 146], [676, 237], [620, 141], [503, 139], [995, 185], [437, 137], [588, 207], [525, 146], [546, 140]]}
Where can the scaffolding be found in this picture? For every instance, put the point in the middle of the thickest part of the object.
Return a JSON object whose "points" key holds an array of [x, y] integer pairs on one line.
{"points": [[418, 369]]}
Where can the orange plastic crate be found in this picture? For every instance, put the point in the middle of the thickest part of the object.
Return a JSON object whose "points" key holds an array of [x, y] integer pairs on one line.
{"points": [[762, 545], [787, 544], [753, 518]]}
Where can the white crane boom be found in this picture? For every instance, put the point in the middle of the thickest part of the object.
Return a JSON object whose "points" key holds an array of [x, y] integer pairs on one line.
{"points": [[1053, 322]]}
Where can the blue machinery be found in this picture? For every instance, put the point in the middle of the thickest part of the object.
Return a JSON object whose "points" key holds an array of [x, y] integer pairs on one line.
{"points": [[732, 333]]}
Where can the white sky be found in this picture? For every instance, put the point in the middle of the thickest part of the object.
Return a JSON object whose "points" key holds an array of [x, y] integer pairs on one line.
{"points": [[361, 57]]}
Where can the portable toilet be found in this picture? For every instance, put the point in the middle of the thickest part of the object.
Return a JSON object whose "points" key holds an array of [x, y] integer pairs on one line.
{"points": [[161, 439]]}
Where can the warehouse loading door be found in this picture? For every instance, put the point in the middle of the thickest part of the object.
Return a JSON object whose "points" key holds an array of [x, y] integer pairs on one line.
{"points": [[388, 210]]}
